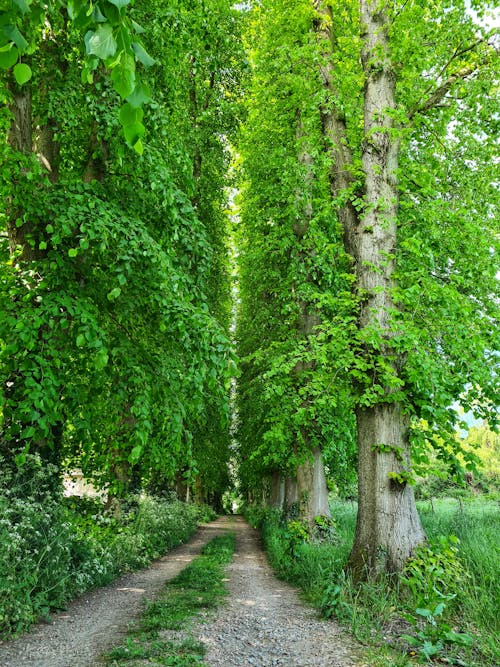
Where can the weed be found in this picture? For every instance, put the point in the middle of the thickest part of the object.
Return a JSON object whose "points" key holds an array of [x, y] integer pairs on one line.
{"points": [[52, 549], [433, 633], [333, 603]]}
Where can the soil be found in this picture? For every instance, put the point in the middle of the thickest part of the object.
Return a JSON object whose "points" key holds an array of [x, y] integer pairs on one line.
{"points": [[262, 623]]}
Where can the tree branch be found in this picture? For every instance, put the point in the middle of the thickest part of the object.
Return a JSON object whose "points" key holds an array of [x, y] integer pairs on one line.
{"points": [[440, 92]]}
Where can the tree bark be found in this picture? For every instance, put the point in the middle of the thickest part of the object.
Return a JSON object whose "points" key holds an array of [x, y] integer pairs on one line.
{"points": [[291, 492], [312, 491], [277, 490], [388, 526]]}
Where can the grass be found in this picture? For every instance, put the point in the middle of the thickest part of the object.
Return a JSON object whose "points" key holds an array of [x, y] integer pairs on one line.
{"points": [[380, 612], [162, 636]]}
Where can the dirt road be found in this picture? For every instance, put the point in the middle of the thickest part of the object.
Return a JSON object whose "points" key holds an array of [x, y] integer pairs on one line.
{"points": [[97, 621], [265, 623], [262, 623]]}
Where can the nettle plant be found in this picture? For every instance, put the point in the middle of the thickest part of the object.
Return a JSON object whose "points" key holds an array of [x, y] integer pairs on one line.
{"points": [[431, 580]]}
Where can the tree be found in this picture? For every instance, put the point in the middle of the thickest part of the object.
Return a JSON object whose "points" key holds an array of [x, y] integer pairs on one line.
{"points": [[292, 277], [405, 129], [111, 351], [388, 527], [111, 37]]}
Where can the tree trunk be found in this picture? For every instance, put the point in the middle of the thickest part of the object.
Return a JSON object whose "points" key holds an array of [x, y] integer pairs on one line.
{"points": [[277, 490], [291, 492], [312, 490], [20, 138], [388, 527]]}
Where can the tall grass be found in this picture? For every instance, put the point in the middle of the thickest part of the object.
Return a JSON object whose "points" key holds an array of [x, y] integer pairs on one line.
{"points": [[476, 523]]}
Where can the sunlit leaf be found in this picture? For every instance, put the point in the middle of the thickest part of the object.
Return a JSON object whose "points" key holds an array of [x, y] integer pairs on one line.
{"points": [[22, 73], [102, 42]]}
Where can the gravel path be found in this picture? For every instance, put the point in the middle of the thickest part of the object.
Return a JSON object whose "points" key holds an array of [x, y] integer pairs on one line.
{"points": [[264, 623], [97, 621]]}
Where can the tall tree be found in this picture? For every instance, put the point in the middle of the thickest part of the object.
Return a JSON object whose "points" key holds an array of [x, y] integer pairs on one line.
{"points": [[107, 326], [408, 142], [388, 527], [292, 273]]}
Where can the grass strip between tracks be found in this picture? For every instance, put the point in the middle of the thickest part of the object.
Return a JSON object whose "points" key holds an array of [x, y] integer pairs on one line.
{"points": [[162, 635]]}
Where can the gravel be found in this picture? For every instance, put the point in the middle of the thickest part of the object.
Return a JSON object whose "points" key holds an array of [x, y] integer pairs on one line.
{"points": [[264, 622]]}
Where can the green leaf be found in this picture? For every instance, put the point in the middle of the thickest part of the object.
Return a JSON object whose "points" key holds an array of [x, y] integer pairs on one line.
{"points": [[12, 33], [101, 359], [22, 5], [133, 129], [133, 133], [439, 609], [113, 16], [138, 147], [114, 294], [8, 56], [142, 55], [80, 340], [119, 3], [72, 252], [123, 77], [98, 16], [102, 43], [130, 115], [139, 96], [423, 612], [138, 28], [135, 454], [74, 8], [22, 73]]}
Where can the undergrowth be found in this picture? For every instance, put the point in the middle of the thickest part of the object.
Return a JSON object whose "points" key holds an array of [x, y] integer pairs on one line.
{"points": [[162, 635], [53, 549], [445, 605]]}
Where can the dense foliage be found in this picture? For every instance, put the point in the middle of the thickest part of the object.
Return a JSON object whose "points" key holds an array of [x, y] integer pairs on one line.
{"points": [[315, 179], [115, 287], [296, 313]]}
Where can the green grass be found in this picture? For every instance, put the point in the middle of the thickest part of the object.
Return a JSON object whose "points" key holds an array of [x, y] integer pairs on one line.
{"points": [[476, 523], [376, 610], [197, 589]]}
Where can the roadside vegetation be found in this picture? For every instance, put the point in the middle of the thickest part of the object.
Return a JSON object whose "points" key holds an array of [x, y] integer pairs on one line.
{"points": [[53, 549], [162, 635], [444, 607]]}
